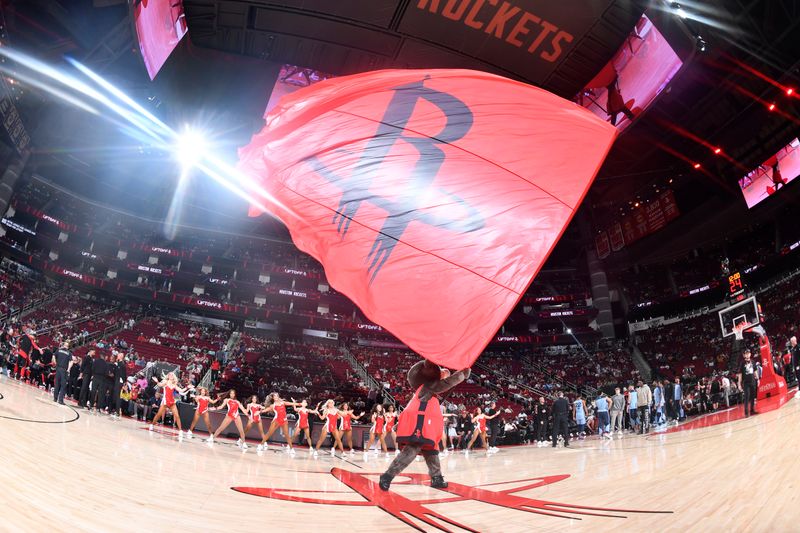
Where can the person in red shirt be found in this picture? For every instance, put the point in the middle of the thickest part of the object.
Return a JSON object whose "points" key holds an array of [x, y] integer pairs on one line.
{"points": [[278, 407], [203, 402], [254, 409], [391, 418], [331, 416], [421, 423], [234, 409], [346, 424], [170, 385], [377, 430], [302, 425], [215, 366]]}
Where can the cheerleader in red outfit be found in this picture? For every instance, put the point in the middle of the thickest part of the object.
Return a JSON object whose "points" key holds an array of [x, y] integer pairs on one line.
{"points": [[203, 401], [346, 416], [479, 420], [170, 385], [302, 423], [234, 408], [254, 409], [391, 419], [330, 414], [279, 408], [378, 422]]}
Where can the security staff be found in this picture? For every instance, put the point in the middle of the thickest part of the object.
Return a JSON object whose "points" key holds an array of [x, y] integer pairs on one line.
{"points": [[86, 378], [62, 360], [99, 382], [561, 419]]}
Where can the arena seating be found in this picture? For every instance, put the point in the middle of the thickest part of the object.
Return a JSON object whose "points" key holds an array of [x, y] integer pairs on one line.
{"points": [[695, 346], [172, 340], [294, 369], [389, 366], [18, 290]]}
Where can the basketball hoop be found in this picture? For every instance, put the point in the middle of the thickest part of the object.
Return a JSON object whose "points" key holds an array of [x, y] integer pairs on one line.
{"points": [[738, 330]]}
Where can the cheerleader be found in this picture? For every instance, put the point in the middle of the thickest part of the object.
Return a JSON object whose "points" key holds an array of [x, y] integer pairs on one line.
{"points": [[391, 418], [378, 420], [331, 415], [279, 408], [302, 423], [479, 420], [345, 424], [170, 385], [202, 400], [234, 408], [254, 409], [449, 431]]}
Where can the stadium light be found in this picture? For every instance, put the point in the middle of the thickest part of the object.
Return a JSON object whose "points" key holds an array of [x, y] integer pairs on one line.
{"points": [[717, 150], [679, 10], [771, 107], [569, 331], [789, 91], [190, 148], [700, 43], [697, 165]]}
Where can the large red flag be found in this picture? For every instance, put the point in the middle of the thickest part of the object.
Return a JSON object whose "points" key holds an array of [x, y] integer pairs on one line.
{"points": [[431, 197]]}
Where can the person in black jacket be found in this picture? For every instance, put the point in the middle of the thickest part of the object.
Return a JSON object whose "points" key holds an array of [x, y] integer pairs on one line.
{"points": [[494, 426], [72, 382], [99, 383], [561, 419], [541, 415], [86, 378], [120, 375]]}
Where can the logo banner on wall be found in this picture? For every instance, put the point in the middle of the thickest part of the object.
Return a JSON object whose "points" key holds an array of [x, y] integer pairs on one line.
{"points": [[427, 204], [602, 245]]}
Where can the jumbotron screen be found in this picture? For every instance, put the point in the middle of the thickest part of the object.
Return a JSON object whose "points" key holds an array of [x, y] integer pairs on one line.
{"points": [[160, 25], [634, 77], [290, 79], [772, 175]]}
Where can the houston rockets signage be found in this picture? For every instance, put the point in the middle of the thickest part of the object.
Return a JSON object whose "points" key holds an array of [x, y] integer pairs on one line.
{"points": [[432, 198], [403, 507], [528, 37]]}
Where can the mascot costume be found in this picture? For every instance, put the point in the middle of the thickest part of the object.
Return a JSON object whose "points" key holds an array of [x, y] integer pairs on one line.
{"points": [[420, 425]]}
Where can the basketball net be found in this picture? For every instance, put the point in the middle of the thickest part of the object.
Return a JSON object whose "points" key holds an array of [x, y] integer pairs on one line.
{"points": [[738, 330]]}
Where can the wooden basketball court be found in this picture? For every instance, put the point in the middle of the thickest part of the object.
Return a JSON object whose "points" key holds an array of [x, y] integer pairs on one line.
{"points": [[64, 469]]}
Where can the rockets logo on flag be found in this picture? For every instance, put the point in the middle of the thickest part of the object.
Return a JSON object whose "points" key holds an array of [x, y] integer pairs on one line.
{"points": [[432, 198]]}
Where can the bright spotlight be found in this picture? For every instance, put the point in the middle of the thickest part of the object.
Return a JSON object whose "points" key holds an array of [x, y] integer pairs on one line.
{"points": [[679, 10], [190, 148], [700, 43], [569, 331]]}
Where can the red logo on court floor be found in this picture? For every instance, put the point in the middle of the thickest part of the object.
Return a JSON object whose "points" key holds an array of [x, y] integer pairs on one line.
{"points": [[401, 507]]}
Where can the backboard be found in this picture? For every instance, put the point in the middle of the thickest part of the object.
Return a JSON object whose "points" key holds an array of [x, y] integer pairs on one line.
{"points": [[745, 311]]}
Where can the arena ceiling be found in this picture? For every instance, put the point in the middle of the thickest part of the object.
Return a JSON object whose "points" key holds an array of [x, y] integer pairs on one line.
{"points": [[555, 45], [715, 101]]}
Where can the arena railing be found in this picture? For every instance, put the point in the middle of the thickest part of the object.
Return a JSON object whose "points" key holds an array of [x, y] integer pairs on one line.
{"points": [[362, 372], [509, 379]]}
